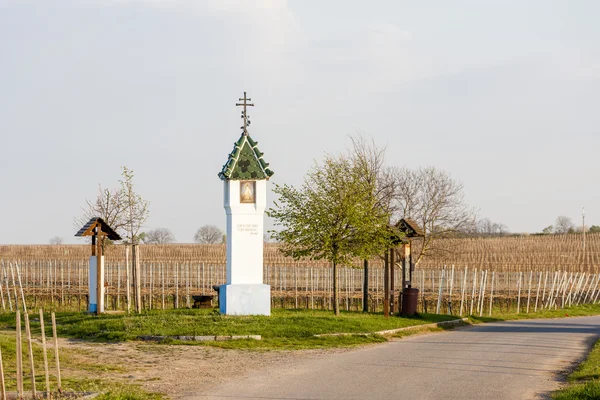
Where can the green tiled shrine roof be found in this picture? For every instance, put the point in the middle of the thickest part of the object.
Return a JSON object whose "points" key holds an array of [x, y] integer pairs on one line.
{"points": [[245, 162]]}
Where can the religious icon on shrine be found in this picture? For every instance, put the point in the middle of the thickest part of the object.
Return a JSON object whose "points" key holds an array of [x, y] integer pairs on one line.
{"points": [[247, 190]]}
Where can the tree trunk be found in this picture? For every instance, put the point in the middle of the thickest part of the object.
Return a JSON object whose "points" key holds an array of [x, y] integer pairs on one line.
{"points": [[366, 286], [336, 305]]}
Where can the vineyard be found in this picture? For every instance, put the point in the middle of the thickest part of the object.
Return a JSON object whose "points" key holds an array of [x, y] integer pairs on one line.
{"points": [[461, 276]]}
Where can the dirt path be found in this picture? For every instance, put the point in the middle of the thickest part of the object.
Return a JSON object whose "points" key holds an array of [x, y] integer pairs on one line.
{"points": [[174, 370]]}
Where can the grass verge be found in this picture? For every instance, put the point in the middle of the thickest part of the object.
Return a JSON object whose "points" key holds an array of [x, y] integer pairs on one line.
{"points": [[284, 329], [584, 383]]}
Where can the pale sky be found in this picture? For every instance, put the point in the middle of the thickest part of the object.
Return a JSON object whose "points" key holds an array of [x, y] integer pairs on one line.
{"points": [[503, 95]]}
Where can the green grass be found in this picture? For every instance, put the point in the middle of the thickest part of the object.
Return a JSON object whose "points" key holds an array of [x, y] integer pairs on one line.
{"points": [[584, 381], [284, 329]]}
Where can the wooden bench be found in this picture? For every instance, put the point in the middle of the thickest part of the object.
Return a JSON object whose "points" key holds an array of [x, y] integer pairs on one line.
{"points": [[203, 301]]}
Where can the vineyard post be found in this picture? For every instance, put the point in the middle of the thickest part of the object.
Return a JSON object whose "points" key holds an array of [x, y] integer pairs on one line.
{"points": [[482, 292], [56, 358], [551, 294], [45, 355], [519, 284], [138, 288], [439, 301], [12, 273], [7, 288], [30, 353], [18, 269], [2, 297], [590, 288], [462, 290], [544, 290], [128, 279], [187, 286], [529, 290], [492, 293], [2, 383], [312, 289], [597, 293], [473, 291], [537, 294], [19, 355], [176, 303], [594, 289], [450, 291], [584, 286], [162, 279], [118, 284]]}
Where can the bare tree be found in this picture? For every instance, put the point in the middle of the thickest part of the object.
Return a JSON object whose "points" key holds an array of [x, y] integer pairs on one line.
{"points": [[209, 234], [109, 206], [486, 227], [159, 236], [563, 225], [56, 240], [435, 200]]}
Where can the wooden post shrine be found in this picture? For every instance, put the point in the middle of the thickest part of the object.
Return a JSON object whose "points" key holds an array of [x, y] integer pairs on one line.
{"points": [[409, 295], [97, 229]]}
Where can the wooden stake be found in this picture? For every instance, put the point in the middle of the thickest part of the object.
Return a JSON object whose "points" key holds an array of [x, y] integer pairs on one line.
{"points": [[128, 279], [519, 292], [12, 274], [2, 293], [483, 285], [56, 353], [2, 384], [30, 351], [492, 294], [21, 287], [47, 375], [439, 302], [7, 288], [462, 291], [537, 295], [19, 355], [529, 290], [473, 292]]}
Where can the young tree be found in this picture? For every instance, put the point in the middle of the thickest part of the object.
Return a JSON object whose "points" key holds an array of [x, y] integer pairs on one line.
{"points": [[435, 200], [209, 234], [594, 229], [330, 217], [158, 236], [548, 230], [135, 210]]}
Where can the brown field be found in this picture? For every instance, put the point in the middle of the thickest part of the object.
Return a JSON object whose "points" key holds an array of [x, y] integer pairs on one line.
{"points": [[55, 276], [518, 253]]}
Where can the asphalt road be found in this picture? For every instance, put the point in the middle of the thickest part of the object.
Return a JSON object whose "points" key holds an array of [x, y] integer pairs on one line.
{"points": [[509, 360]]}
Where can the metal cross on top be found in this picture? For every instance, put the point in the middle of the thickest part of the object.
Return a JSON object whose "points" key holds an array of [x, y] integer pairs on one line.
{"points": [[245, 115]]}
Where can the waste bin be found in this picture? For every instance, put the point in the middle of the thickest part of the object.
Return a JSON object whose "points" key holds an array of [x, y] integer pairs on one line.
{"points": [[410, 298]]}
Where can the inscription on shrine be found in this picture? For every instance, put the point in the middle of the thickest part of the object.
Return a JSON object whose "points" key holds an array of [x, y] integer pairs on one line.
{"points": [[252, 229]]}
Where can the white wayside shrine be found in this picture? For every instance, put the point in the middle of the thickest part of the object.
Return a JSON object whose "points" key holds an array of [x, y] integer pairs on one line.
{"points": [[245, 176]]}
